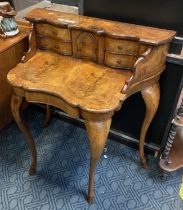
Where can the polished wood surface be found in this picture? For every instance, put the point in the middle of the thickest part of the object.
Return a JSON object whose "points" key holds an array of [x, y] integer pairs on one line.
{"points": [[80, 83], [16, 106], [97, 133], [151, 96], [11, 52], [146, 34], [88, 67], [9, 42]]}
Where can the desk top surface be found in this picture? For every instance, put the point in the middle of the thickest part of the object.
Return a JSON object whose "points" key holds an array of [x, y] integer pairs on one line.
{"points": [[97, 89], [148, 35]]}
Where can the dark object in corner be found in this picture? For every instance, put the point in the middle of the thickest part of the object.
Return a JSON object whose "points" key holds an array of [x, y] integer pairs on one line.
{"points": [[172, 156]]}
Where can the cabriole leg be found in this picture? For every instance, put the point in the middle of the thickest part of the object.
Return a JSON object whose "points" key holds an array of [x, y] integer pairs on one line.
{"points": [[151, 96], [16, 103], [97, 134]]}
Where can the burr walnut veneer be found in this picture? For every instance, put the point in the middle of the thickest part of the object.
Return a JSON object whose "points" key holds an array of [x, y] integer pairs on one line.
{"points": [[87, 67]]}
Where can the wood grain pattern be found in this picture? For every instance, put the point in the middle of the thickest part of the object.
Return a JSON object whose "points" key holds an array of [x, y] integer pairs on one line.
{"points": [[80, 83], [127, 47], [16, 103], [97, 133], [145, 34], [10, 42], [151, 96], [148, 66], [119, 61], [63, 48], [46, 30], [32, 45], [85, 45]]}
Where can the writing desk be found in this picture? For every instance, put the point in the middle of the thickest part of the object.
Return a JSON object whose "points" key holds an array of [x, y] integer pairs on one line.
{"points": [[88, 67]]}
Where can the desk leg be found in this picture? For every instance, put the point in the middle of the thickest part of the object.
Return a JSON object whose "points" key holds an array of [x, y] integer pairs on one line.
{"points": [[151, 96], [48, 116], [16, 103], [97, 134]]}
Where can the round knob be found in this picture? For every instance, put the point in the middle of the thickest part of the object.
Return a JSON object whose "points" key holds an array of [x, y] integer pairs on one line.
{"points": [[118, 61], [55, 33], [120, 47]]}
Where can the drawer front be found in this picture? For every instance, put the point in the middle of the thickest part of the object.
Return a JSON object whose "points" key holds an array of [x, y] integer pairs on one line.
{"points": [[119, 61], [85, 45], [121, 46], [53, 32], [64, 48]]}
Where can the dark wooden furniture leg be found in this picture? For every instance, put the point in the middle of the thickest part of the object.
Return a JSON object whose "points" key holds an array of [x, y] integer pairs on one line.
{"points": [[48, 116], [97, 134], [16, 103], [151, 96]]}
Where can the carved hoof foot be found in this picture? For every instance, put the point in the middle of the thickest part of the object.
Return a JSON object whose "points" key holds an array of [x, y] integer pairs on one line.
{"points": [[90, 199], [144, 164], [32, 171]]}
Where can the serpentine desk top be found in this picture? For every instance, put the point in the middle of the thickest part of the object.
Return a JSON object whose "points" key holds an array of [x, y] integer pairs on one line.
{"points": [[148, 35]]}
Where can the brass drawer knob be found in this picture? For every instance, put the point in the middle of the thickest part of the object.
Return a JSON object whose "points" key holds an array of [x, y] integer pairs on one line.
{"points": [[55, 33], [120, 47], [56, 46], [118, 61]]}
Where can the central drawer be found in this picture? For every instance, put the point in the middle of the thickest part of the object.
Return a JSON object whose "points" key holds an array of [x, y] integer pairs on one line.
{"points": [[46, 30]]}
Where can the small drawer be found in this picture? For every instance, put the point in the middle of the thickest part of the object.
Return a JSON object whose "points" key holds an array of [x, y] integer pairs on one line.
{"points": [[64, 48], [85, 45], [119, 61], [53, 32], [122, 46]]}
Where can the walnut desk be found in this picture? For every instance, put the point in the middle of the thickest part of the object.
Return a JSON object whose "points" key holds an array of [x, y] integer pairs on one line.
{"points": [[88, 67]]}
